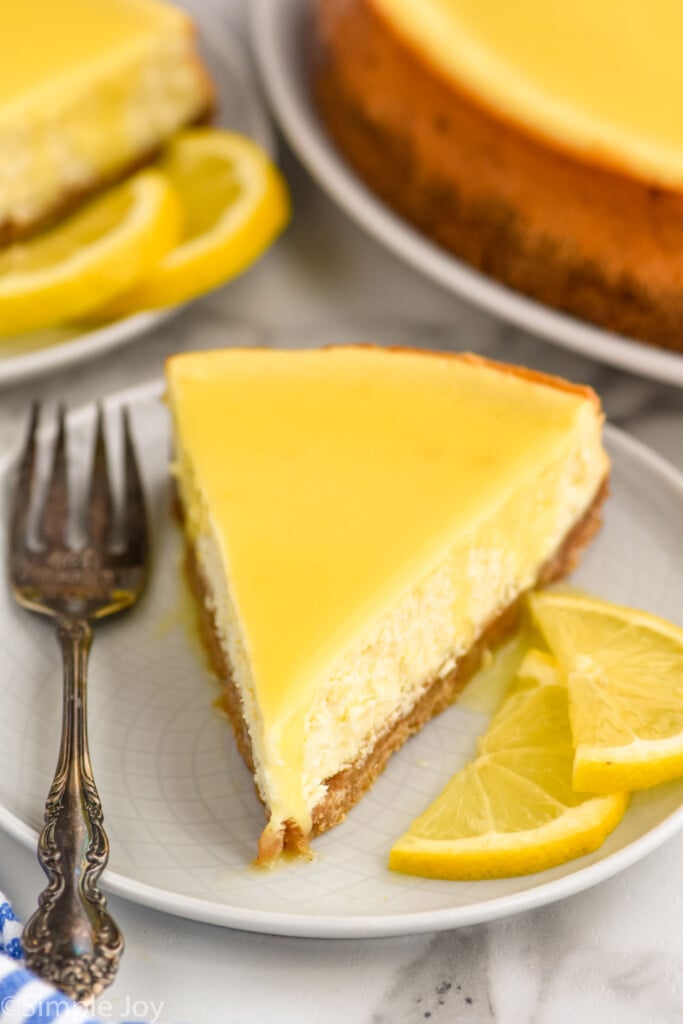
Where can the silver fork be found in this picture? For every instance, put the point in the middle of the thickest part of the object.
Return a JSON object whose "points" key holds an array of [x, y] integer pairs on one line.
{"points": [[71, 939]]}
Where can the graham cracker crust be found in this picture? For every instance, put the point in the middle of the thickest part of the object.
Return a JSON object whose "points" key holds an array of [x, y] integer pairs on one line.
{"points": [[346, 788], [583, 238]]}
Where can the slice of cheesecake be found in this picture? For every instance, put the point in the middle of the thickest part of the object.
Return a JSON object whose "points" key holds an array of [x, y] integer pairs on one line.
{"points": [[88, 90], [361, 523]]}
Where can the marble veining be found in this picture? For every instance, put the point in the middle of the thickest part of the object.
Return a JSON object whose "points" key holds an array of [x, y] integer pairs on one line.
{"points": [[449, 979]]}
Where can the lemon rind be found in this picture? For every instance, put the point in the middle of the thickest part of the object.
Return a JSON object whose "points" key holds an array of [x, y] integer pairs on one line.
{"points": [[100, 270], [579, 831]]}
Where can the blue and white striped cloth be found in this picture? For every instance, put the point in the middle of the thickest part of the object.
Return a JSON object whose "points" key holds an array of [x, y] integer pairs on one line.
{"points": [[24, 998]]}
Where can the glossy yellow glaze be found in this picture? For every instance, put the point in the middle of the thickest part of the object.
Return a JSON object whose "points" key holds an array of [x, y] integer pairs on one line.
{"points": [[43, 42], [600, 78]]}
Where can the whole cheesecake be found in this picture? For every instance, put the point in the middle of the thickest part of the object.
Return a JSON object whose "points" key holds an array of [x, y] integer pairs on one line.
{"points": [[541, 142], [89, 89], [361, 524]]}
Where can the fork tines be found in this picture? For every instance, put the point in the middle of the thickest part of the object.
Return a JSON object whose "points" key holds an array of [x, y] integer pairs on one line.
{"points": [[52, 521]]}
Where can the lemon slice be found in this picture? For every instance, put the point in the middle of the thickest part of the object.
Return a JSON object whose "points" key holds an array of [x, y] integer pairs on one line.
{"points": [[625, 678], [513, 810], [235, 203], [91, 256]]}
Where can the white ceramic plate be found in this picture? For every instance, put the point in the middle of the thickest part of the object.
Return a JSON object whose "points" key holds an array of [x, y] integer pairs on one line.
{"points": [[281, 33], [239, 108], [180, 808]]}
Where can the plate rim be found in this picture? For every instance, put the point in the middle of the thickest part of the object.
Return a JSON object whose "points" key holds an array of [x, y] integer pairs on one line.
{"points": [[358, 926], [91, 344], [270, 23]]}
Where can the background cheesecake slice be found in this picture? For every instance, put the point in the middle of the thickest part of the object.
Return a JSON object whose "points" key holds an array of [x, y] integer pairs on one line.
{"points": [[361, 523], [88, 90]]}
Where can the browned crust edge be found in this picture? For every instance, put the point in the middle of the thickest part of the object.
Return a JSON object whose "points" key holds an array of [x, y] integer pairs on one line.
{"points": [[585, 239], [346, 788]]}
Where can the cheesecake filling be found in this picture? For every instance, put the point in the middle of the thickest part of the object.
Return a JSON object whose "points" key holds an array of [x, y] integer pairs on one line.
{"points": [[421, 635]]}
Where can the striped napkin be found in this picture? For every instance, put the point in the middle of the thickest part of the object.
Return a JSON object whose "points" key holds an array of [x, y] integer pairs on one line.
{"points": [[24, 998]]}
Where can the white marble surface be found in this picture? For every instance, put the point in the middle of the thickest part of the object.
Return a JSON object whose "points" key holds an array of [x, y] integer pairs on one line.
{"points": [[612, 954]]}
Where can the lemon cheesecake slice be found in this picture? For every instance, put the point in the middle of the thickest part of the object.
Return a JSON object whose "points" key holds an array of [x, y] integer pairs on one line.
{"points": [[88, 89], [361, 523], [542, 142]]}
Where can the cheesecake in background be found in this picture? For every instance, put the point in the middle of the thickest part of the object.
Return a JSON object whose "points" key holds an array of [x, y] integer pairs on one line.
{"points": [[89, 91]]}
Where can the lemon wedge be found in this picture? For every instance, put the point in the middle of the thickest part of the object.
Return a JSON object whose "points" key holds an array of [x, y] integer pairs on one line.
{"points": [[235, 203], [101, 250], [624, 673], [513, 810]]}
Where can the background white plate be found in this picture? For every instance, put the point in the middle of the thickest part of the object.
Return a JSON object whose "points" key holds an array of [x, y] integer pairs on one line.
{"points": [[239, 108], [180, 808], [281, 33]]}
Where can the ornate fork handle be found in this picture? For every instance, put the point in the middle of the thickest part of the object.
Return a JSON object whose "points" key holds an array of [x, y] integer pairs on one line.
{"points": [[71, 940]]}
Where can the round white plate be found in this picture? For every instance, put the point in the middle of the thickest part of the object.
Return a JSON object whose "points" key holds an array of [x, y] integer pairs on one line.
{"points": [[239, 108], [281, 35], [180, 807]]}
